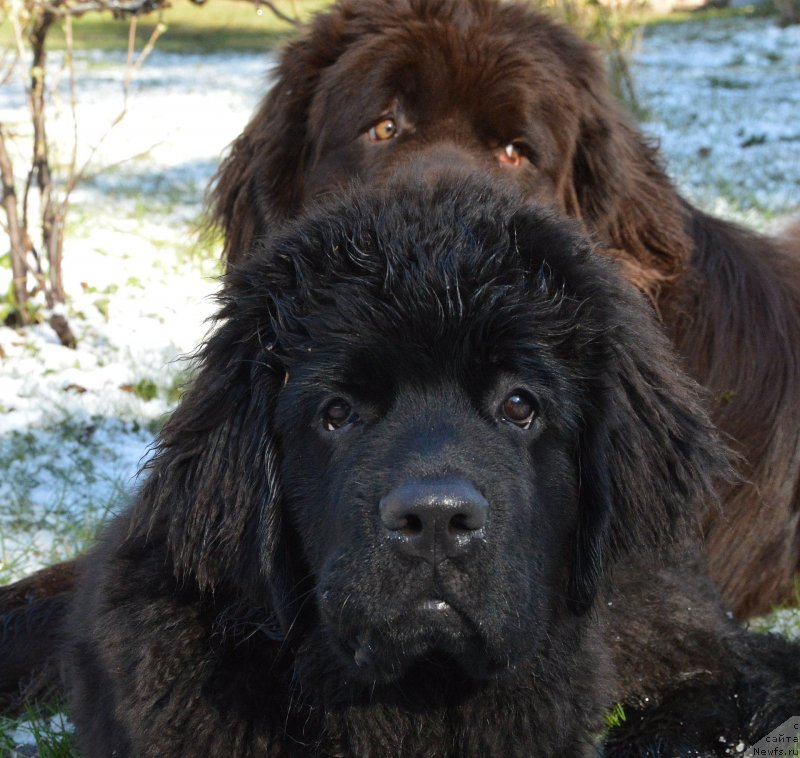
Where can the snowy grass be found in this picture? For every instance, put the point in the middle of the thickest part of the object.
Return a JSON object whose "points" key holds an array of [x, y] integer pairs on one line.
{"points": [[75, 425], [723, 99], [722, 96]]}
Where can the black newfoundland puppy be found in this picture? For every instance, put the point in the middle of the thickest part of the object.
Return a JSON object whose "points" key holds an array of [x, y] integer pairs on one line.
{"points": [[429, 494], [374, 85]]}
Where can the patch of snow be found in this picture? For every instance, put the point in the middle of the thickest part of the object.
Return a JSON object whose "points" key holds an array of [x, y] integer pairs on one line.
{"points": [[73, 427], [723, 101]]}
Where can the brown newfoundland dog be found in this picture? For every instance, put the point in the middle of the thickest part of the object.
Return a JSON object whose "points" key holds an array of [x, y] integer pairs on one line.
{"points": [[431, 493], [376, 84]]}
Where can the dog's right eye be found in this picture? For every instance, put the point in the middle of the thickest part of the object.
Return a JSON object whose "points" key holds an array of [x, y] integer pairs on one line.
{"points": [[337, 414], [385, 129], [519, 409], [514, 154]]}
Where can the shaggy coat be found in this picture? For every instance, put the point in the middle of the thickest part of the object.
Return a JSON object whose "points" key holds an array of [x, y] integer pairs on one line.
{"points": [[431, 493], [377, 84], [496, 88]]}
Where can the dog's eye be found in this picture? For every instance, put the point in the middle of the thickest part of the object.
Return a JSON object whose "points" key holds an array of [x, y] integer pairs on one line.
{"points": [[385, 129], [519, 408], [513, 154], [337, 414]]}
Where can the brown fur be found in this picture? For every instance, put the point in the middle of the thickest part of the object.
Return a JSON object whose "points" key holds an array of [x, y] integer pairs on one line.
{"points": [[31, 633], [469, 76]]}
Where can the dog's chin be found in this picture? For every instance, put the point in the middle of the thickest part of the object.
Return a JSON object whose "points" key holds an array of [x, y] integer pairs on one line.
{"points": [[430, 640]]}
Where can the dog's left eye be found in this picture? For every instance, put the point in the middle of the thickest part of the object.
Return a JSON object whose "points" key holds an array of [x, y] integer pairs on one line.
{"points": [[385, 129], [513, 154], [338, 414], [519, 408]]}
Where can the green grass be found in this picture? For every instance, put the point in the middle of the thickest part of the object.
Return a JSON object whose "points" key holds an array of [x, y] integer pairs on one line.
{"points": [[64, 460], [47, 728], [220, 25], [145, 389], [616, 716], [784, 618]]}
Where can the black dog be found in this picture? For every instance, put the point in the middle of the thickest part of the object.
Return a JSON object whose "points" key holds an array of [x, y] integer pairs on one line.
{"points": [[430, 494], [375, 85]]}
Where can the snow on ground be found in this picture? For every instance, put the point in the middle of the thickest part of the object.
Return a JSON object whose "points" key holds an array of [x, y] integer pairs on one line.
{"points": [[75, 425], [722, 97]]}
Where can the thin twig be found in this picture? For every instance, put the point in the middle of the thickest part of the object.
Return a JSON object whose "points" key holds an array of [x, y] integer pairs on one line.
{"points": [[16, 234], [131, 70], [9, 68], [73, 109], [277, 12]]}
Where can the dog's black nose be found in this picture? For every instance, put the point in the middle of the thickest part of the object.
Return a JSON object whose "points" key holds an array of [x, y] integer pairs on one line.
{"points": [[434, 520]]}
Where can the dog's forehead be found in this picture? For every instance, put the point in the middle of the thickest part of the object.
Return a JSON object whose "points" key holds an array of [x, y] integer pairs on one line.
{"points": [[437, 279], [436, 70], [427, 330]]}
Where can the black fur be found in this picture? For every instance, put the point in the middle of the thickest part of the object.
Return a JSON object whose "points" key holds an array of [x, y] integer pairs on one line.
{"points": [[252, 602]]}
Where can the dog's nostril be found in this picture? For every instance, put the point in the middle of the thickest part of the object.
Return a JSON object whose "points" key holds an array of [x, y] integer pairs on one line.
{"points": [[413, 524], [462, 522]]}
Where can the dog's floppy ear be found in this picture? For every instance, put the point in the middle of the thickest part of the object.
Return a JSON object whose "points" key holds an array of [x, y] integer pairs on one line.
{"points": [[262, 175], [647, 454], [213, 493], [261, 181], [617, 187]]}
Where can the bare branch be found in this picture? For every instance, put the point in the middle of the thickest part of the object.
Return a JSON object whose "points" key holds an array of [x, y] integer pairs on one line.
{"points": [[277, 12], [123, 8], [38, 272], [16, 234], [132, 68], [9, 65], [73, 110]]}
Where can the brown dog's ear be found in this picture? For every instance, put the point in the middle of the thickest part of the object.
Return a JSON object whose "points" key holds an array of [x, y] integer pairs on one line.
{"points": [[261, 181], [649, 457], [618, 189], [262, 176]]}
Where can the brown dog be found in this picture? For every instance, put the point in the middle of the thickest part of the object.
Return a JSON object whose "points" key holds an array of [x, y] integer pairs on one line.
{"points": [[376, 84]]}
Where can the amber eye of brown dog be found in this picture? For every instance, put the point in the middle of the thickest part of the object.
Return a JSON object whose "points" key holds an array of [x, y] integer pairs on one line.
{"points": [[338, 414], [512, 154], [385, 129], [519, 409]]}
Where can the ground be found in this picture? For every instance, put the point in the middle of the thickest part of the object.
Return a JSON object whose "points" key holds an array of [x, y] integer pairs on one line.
{"points": [[722, 97]]}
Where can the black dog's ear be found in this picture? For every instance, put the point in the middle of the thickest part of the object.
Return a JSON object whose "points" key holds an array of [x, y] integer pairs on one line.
{"points": [[213, 494], [647, 454]]}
